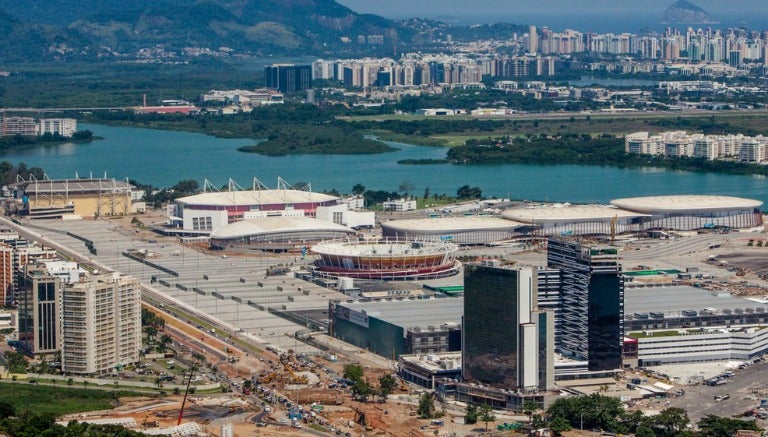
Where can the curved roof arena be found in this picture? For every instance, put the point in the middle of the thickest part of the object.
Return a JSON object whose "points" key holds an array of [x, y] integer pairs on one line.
{"points": [[567, 213], [275, 225], [255, 197], [450, 224], [685, 203]]}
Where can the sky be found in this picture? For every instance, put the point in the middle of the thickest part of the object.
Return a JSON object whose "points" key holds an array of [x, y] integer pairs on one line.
{"points": [[436, 8]]}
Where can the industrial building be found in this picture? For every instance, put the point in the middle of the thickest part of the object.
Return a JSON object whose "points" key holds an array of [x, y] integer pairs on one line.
{"points": [[459, 230], [394, 327], [592, 302], [206, 212], [276, 233], [385, 259], [54, 198]]}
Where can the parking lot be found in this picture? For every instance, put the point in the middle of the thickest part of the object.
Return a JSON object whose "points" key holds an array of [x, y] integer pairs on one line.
{"points": [[235, 290]]}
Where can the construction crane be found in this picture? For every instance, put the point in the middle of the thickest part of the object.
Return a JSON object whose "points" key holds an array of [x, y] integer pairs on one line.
{"points": [[186, 392]]}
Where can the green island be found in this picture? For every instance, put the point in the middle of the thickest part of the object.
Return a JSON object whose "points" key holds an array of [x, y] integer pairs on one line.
{"points": [[21, 141]]}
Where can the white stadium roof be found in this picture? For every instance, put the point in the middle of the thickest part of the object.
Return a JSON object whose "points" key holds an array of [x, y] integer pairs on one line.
{"points": [[255, 197], [270, 225], [567, 212], [383, 248], [685, 203], [451, 224]]}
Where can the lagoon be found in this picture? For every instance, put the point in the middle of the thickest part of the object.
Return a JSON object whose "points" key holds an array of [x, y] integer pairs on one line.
{"points": [[162, 158]]}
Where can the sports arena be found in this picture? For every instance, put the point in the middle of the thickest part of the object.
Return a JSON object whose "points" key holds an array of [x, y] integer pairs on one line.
{"points": [[276, 233], [386, 259], [567, 219], [208, 211], [689, 212], [460, 230]]}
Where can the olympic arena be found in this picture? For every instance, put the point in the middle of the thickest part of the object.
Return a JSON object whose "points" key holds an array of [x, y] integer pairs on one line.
{"points": [[567, 219], [385, 259], [277, 232], [690, 212], [208, 211], [460, 230]]}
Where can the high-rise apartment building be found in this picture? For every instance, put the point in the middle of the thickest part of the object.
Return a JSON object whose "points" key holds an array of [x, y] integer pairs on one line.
{"points": [[508, 344], [288, 78], [592, 302], [39, 310], [533, 40], [101, 324]]}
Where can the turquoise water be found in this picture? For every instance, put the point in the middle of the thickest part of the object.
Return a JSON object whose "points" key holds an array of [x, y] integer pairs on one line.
{"points": [[162, 158]]}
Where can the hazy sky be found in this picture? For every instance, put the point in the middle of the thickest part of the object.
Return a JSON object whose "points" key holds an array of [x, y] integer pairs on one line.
{"points": [[434, 8]]}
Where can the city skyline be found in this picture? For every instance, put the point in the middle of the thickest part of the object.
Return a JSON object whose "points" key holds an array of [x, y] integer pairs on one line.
{"points": [[433, 8]]}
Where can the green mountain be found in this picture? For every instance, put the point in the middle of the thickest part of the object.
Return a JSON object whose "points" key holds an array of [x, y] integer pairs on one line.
{"points": [[112, 27]]}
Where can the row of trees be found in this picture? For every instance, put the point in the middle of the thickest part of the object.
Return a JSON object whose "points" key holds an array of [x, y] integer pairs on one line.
{"points": [[31, 424], [606, 413]]}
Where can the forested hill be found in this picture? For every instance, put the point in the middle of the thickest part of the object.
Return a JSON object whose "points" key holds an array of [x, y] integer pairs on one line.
{"points": [[103, 27]]}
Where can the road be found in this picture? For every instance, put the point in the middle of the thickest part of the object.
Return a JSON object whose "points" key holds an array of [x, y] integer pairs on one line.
{"points": [[699, 400]]}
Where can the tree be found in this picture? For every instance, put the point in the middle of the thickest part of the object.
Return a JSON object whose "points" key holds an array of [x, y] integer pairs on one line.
{"points": [[645, 431], [467, 192], [559, 425], [715, 426], [529, 408], [426, 193], [15, 362], [70, 381], [387, 384], [426, 406], [362, 390], [671, 421], [470, 416], [358, 189], [405, 187], [486, 415], [353, 372], [186, 186]]}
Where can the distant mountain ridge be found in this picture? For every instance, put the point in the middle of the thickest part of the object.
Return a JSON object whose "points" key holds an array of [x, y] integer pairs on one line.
{"points": [[269, 26], [685, 12], [63, 30]]}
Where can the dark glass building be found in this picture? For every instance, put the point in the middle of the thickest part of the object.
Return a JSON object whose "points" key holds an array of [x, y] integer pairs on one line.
{"points": [[592, 302], [39, 311], [501, 327], [288, 78]]}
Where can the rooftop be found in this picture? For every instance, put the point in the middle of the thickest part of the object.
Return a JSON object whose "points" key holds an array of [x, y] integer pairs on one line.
{"points": [[566, 211], [255, 197], [383, 248], [673, 300], [267, 225], [693, 203], [76, 185], [451, 224], [407, 313]]}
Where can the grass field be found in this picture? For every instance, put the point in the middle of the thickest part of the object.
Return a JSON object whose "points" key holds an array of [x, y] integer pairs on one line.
{"points": [[58, 400]]}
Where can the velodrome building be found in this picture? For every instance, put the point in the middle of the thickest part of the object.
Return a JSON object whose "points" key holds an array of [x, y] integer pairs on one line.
{"points": [[567, 219]]}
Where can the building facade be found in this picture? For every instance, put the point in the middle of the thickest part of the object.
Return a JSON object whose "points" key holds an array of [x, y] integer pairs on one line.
{"points": [[592, 302], [501, 346], [288, 78], [101, 324], [39, 311]]}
